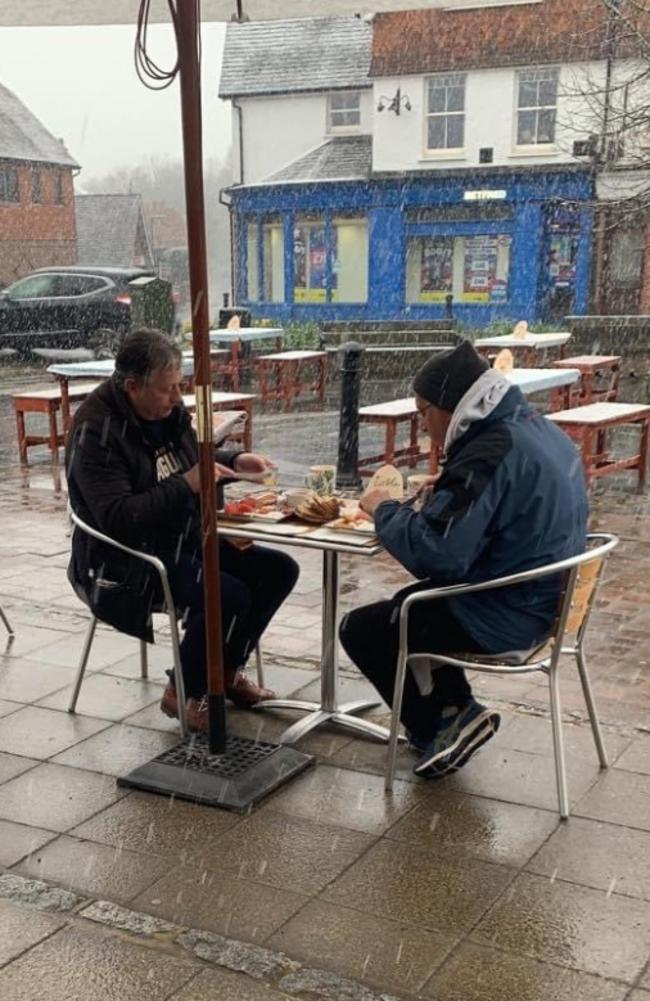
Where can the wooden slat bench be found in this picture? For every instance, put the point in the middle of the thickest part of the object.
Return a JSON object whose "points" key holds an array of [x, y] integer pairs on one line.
{"points": [[282, 376], [391, 415], [45, 401], [599, 381], [589, 426]]}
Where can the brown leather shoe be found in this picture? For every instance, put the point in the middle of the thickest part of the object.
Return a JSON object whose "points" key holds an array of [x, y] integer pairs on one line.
{"points": [[244, 693], [196, 710]]}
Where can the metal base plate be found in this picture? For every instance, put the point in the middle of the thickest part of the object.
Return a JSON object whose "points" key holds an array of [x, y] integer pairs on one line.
{"points": [[236, 780]]}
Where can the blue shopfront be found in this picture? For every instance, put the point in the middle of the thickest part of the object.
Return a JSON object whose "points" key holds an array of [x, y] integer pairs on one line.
{"points": [[494, 245]]}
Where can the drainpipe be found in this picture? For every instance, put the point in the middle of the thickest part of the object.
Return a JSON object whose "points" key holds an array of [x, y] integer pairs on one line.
{"points": [[604, 155], [225, 201], [240, 134]]}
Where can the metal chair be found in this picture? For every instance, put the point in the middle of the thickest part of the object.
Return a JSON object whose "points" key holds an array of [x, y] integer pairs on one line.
{"points": [[168, 607], [582, 574], [6, 623]]}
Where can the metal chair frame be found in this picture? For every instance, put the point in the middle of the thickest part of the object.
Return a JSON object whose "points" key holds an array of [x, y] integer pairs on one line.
{"points": [[602, 544], [6, 623], [170, 611]]}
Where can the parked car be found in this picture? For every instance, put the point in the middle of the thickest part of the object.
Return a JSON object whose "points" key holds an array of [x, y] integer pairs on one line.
{"points": [[81, 307]]}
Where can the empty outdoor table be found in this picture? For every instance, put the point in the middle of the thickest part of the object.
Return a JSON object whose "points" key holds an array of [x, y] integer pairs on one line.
{"points": [[526, 349], [230, 401], [328, 709], [244, 335]]}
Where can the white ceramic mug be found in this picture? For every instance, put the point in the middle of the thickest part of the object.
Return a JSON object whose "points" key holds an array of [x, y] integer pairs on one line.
{"points": [[321, 479]]}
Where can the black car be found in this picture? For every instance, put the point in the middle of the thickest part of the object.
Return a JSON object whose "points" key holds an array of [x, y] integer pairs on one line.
{"points": [[81, 307]]}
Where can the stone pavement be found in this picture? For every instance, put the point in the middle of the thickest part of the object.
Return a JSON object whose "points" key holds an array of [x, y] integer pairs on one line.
{"points": [[467, 890]]}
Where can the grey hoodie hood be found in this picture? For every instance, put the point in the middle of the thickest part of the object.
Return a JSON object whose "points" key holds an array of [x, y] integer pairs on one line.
{"points": [[482, 397]]}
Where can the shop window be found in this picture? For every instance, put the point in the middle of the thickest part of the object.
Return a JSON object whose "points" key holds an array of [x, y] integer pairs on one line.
{"points": [[252, 268], [536, 107], [309, 260], [473, 269], [9, 190], [350, 260], [273, 262], [344, 111], [445, 125]]}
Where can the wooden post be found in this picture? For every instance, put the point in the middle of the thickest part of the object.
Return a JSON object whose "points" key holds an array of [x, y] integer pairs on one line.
{"points": [[190, 80]]}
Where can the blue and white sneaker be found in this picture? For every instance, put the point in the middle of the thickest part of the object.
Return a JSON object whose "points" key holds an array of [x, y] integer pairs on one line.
{"points": [[457, 738]]}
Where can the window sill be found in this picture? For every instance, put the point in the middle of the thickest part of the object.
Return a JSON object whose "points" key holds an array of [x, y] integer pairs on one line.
{"points": [[344, 130], [541, 150], [443, 156]]}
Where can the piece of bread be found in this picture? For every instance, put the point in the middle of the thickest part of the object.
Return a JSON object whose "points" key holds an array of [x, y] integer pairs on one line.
{"points": [[317, 509]]}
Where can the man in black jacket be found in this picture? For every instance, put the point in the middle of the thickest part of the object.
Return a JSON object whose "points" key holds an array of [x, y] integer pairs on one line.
{"points": [[132, 473]]}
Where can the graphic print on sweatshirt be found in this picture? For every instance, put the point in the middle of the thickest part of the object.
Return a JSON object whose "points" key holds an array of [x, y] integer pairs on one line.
{"points": [[167, 462]]}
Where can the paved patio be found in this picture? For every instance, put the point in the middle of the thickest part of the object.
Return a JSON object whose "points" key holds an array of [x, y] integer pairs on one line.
{"points": [[466, 890]]}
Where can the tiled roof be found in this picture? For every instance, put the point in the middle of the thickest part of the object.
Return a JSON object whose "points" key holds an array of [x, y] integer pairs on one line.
{"points": [[342, 158], [23, 137], [107, 227], [272, 57], [554, 31]]}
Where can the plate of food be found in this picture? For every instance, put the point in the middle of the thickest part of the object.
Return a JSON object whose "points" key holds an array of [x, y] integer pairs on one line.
{"points": [[353, 519], [317, 510], [263, 506]]}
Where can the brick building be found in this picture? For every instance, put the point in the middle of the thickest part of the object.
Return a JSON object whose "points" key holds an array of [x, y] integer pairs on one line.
{"points": [[37, 209]]}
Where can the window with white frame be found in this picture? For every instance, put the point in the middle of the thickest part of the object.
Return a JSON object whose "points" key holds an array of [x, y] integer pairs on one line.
{"points": [[536, 106], [344, 111], [445, 112]]}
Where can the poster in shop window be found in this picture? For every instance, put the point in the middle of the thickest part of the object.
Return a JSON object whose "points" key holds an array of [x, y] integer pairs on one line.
{"points": [[309, 264], [487, 261], [436, 269]]}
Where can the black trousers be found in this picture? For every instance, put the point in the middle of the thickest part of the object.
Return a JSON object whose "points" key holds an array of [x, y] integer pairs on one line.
{"points": [[254, 583], [370, 637]]}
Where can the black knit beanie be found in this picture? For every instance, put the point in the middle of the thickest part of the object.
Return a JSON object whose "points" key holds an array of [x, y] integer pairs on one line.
{"points": [[445, 378]]}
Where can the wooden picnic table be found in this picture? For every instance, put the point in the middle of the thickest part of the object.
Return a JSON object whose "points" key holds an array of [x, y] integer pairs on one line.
{"points": [[236, 339], [394, 412]]}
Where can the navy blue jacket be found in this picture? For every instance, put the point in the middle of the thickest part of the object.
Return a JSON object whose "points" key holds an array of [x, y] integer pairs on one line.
{"points": [[511, 497]]}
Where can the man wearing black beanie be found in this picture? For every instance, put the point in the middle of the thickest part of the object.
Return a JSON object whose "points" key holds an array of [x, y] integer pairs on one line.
{"points": [[511, 496]]}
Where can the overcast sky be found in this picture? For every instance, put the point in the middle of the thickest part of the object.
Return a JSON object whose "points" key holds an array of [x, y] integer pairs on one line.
{"points": [[81, 83]]}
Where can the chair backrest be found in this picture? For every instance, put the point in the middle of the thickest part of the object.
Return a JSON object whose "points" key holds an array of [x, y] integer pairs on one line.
{"points": [[584, 589], [581, 583]]}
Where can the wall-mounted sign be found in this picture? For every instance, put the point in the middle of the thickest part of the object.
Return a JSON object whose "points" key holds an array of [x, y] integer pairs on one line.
{"points": [[485, 195]]}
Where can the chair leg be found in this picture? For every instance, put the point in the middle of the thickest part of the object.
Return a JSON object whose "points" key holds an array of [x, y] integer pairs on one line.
{"points": [[591, 708], [391, 756], [558, 742], [144, 664], [178, 674], [259, 663], [6, 622], [85, 653]]}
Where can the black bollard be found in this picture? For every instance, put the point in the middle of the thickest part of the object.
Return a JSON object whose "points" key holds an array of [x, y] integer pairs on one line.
{"points": [[347, 471], [448, 304]]}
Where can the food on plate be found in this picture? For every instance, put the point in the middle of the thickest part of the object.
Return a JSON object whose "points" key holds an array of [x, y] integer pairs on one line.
{"points": [[353, 519], [262, 503], [317, 509]]}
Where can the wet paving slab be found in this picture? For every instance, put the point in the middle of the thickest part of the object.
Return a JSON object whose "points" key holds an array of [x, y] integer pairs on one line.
{"points": [[469, 890]]}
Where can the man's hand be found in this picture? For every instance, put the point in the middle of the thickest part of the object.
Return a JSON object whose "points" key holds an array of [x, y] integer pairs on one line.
{"points": [[251, 462], [370, 501], [193, 479]]}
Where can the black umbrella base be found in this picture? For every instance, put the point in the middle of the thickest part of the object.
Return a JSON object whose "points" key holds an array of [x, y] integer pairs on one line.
{"points": [[236, 780]]}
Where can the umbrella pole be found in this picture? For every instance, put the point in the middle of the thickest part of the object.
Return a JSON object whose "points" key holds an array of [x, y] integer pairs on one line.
{"points": [[190, 81]]}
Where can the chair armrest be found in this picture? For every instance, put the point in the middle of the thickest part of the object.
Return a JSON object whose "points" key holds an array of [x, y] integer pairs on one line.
{"points": [[605, 542], [153, 561]]}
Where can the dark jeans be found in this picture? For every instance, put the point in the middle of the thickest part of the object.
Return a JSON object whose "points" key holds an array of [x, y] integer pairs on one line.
{"points": [[254, 583], [370, 637]]}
